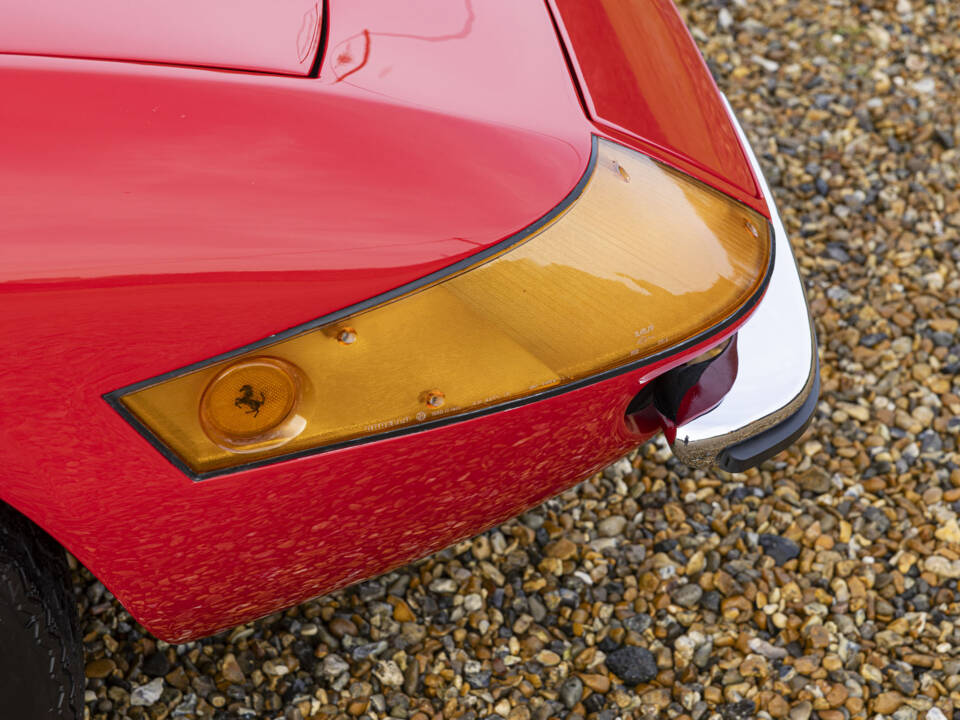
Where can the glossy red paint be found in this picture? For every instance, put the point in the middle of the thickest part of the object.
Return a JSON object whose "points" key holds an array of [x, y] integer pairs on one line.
{"points": [[187, 558], [279, 36], [644, 80], [200, 172], [153, 217]]}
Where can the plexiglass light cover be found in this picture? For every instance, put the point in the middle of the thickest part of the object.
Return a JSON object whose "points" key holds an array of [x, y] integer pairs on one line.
{"points": [[644, 259]]}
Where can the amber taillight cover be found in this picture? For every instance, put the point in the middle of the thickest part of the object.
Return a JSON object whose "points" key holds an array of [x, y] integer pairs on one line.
{"points": [[642, 260]]}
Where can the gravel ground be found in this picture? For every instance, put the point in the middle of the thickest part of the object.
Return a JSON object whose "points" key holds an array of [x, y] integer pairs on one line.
{"points": [[823, 585]]}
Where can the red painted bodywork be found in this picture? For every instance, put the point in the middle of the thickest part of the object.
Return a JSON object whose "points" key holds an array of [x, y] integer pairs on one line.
{"points": [[280, 36], [644, 81], [152, 217]]}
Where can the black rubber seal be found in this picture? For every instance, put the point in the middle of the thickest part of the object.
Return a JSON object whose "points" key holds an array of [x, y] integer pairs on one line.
{"points": [[114, 398], [750, 453], [322, 41]]}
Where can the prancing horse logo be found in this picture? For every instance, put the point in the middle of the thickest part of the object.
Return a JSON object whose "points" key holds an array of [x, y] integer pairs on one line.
{"points": [[246, 399]]}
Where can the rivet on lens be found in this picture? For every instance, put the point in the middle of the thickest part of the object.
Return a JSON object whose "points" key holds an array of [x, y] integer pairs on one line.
{"points": [[435, 398], [752, 228], [347, 336], [623, 172]]}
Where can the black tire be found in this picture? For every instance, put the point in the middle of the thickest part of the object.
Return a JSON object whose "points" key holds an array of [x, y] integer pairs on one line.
{"points": [[41, 653]]}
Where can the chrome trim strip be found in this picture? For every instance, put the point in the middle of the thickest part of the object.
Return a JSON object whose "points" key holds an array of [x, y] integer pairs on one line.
{"points": [[778, 358]]}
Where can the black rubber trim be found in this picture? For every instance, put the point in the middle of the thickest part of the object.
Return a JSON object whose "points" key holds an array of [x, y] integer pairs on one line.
{"points": [[750, 453], [322, 41], [113, 398]]}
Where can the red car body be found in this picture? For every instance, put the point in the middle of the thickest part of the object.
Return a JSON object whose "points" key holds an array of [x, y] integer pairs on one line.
{"points": [[154, 213]]}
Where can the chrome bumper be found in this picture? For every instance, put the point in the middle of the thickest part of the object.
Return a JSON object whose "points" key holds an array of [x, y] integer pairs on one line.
{"points": [[778, 379]]}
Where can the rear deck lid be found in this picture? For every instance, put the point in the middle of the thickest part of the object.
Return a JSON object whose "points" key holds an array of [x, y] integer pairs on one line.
{"points": [[273, 36]]}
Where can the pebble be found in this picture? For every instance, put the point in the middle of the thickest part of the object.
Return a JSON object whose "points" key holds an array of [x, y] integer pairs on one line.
{"points": [[156, 665], [231, 669], [388, 673], [904, 682], [334, 665], [633, 665], [687, 595], [341, 627], [888, 702], [766, 649], [597, 683], [781, 549], [100, 668], [445, 586], [612, 526], [571, 691], [815, 479], [147, 694]]}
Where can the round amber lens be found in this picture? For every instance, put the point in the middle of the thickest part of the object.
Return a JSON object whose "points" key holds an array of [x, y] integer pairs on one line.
{"points": [[250, 398]]}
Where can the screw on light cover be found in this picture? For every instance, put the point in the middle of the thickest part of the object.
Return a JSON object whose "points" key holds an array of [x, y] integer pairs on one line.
{"points": [[435, 398], [347, 336]]}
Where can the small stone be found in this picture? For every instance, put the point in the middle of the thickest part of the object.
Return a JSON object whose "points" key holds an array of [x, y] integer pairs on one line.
{"points": [[948, 532], [887, 702], [612, 526], [156, 664], [687, 595], [334, 665], [764, 648], [754, 666], [724, 19], [633, 665], [571, 691], [548, 658], [740, 710], [815, 479], [231, 669], [801, 711], [275, 668], [658, 698], [178, 678], [942, 566], [778, 707], [771, 66], [341, 626], [402, 612], [779, 548], [100, 668], [818, 636], [388, 673], [369, 650], [945, 138], [443, 586], [481, 547], [597, 683], [148, 694], [563, 549], [904, 682]]}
